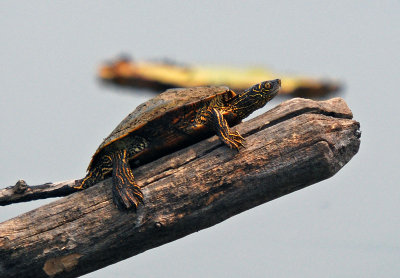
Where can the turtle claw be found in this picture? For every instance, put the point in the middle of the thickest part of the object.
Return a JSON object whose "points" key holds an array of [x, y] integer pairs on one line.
{"points": [[237, 134], [238, 138], [127, 197], [235, 140]]}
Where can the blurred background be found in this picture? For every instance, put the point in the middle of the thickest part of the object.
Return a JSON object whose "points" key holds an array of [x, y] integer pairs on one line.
{"points": [[54, 113]]}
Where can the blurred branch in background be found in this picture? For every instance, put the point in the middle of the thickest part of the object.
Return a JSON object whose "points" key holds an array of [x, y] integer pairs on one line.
{"points": [[161, 75], [296, 144]]}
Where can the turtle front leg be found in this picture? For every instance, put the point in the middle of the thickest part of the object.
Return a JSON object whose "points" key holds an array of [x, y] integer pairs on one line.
{"points": [[126, 193], [221, 127]]}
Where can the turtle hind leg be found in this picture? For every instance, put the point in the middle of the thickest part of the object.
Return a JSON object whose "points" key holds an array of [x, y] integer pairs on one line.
{"points": [[232, 139], [95, 174], [126, 193]]}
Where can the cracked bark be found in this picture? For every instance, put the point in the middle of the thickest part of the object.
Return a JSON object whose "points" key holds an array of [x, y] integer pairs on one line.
{"points": [[296, 144]]}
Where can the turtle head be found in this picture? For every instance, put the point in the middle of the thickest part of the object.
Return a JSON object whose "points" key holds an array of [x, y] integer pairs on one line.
{"points": [[255, 97]]}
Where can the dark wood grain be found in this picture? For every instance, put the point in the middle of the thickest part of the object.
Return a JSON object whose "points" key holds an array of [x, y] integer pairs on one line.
{"points": [[296, 144]]}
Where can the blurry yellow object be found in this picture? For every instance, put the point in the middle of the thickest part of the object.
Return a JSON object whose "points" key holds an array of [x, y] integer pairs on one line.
{"points": [[162, 75]]}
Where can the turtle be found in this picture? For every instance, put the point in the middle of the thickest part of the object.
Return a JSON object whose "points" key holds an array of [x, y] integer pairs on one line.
{"points": [[170, 121]]}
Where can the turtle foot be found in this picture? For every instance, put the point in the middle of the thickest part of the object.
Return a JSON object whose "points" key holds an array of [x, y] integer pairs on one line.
{"points": [[234, 140], [127, 196]]}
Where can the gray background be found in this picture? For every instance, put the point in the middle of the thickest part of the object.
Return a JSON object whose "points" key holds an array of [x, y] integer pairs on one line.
{"points": [[53, 115]]}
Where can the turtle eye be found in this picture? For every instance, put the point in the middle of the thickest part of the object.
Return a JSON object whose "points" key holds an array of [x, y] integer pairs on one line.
{"points": [[267, 85]]}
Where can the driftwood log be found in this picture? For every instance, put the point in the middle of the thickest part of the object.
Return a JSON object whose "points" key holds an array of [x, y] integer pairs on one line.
{"points": [[296, 144]]}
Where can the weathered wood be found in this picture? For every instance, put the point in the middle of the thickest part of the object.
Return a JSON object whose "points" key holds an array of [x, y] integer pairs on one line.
{"points": [[22, 192], [296, 144]]}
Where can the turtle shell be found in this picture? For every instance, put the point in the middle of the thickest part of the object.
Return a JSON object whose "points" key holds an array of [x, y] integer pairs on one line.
{"points": [[177, 101]]}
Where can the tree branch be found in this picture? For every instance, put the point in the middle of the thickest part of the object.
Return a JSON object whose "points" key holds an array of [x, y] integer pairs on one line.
{"points": [[296, 144], [124, 72], [22, 192]]}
